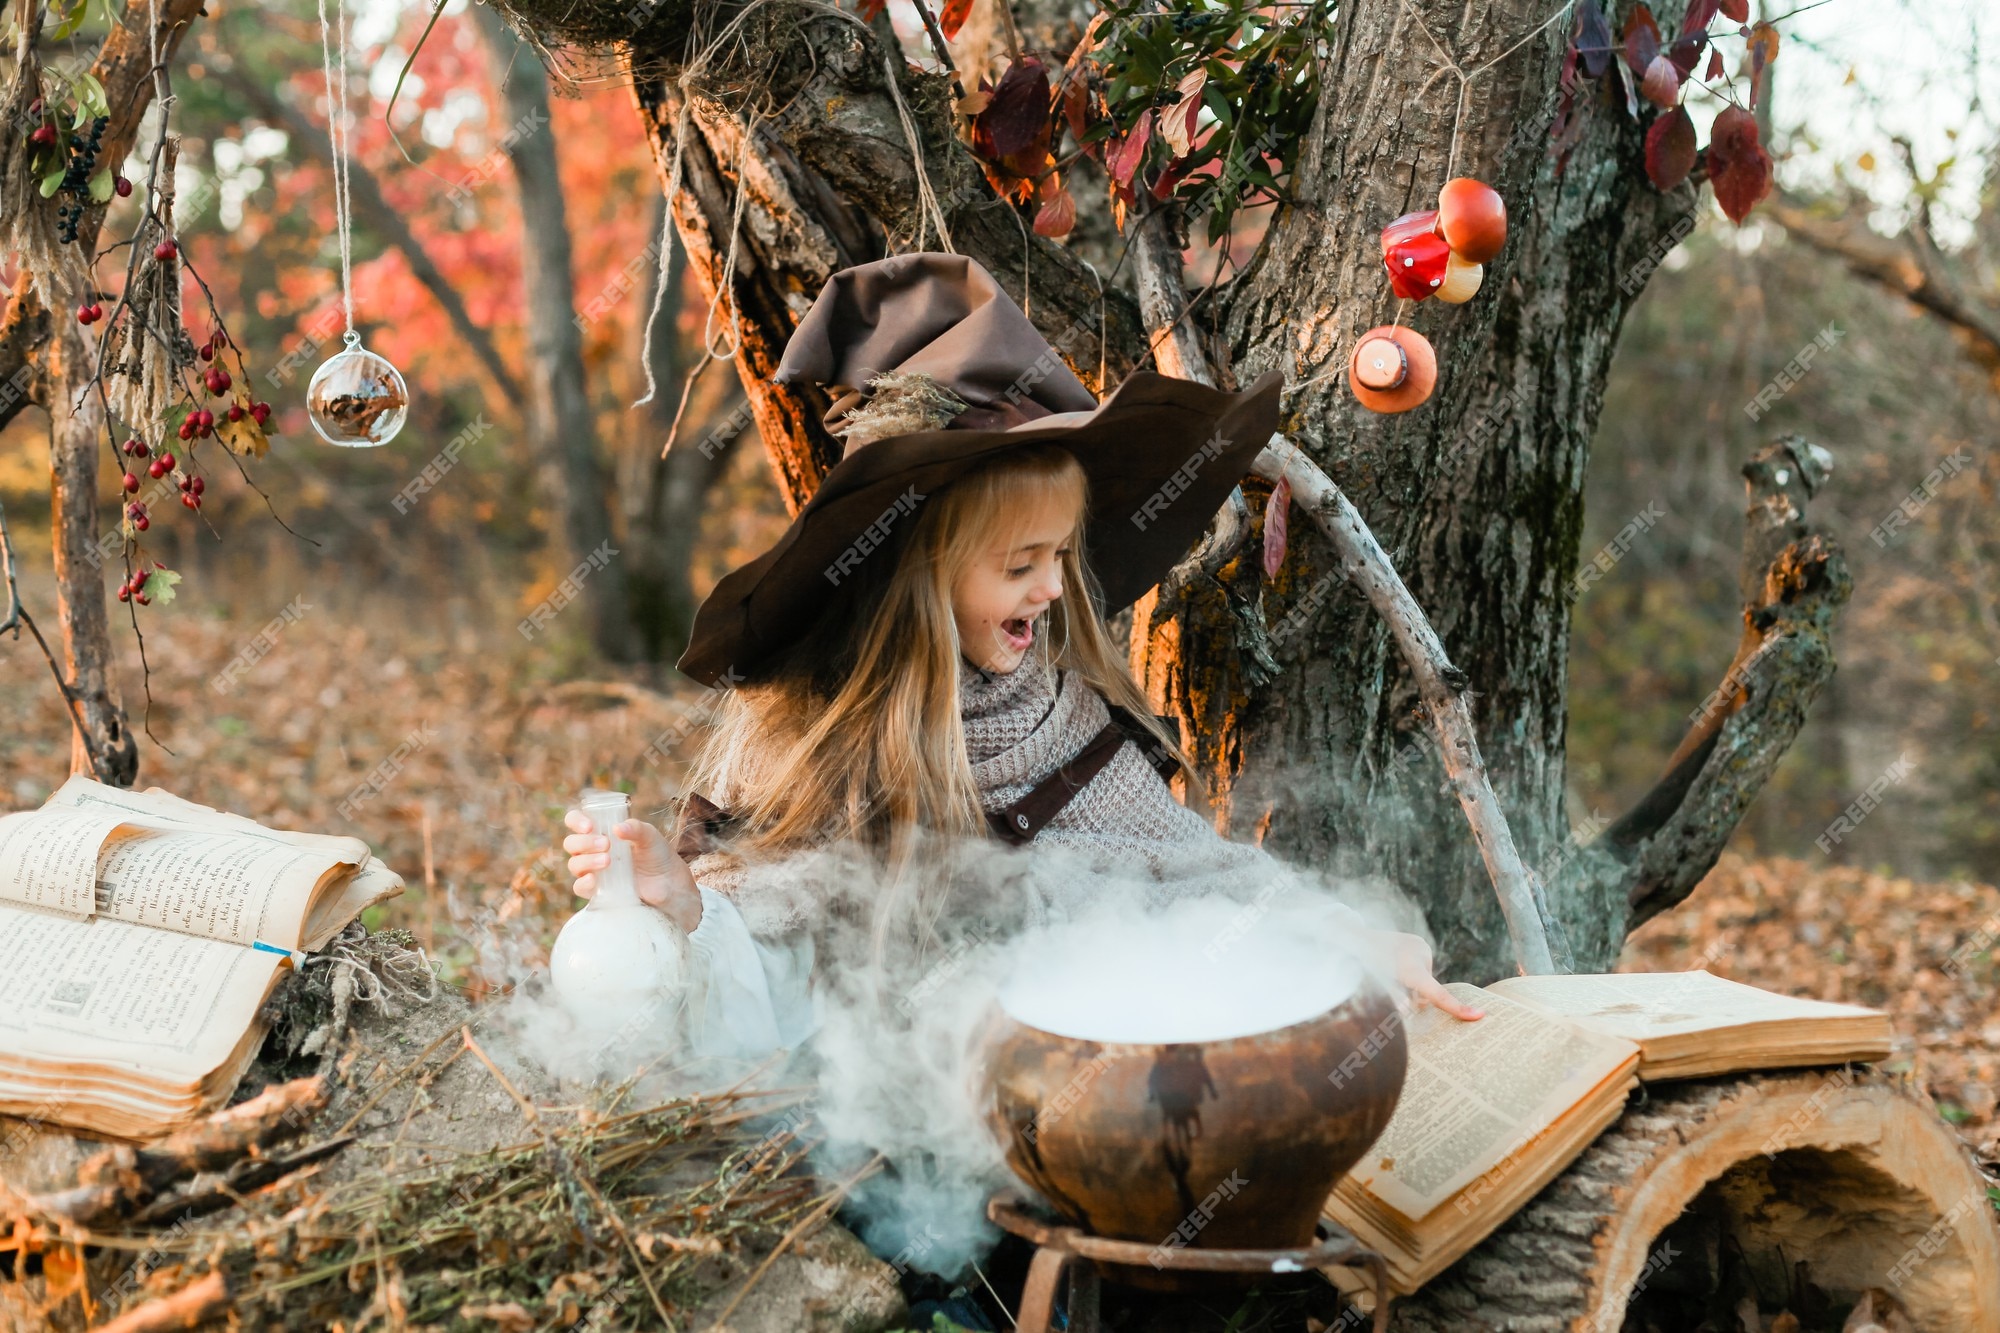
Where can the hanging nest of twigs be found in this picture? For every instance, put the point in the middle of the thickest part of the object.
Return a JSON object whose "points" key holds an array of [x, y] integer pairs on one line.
{"points": [[27, 221], [145, 346]]}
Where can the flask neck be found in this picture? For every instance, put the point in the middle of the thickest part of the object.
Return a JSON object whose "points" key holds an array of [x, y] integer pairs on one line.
{"points": [[615, 885]]}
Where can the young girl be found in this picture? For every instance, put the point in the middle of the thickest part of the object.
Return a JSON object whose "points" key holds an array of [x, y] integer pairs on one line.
{"points": [[953, 682]]}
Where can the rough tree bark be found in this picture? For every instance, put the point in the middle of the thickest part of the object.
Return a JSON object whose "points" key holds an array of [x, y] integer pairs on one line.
{"points": [[563, 426], [1477, 497]]}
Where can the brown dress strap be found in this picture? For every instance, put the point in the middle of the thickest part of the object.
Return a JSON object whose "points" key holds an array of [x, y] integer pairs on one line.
{"points": [[1021, 821], [702, 823]]}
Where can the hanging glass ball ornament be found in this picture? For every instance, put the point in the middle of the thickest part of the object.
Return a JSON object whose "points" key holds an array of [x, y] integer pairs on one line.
{"points": [[357, 399]]}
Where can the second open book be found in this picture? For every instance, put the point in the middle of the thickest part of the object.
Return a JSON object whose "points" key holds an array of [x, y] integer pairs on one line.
{"points": [[1493, 1110], [139, 936]]}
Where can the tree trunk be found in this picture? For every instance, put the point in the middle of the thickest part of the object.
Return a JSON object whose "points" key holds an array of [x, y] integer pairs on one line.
{"points": [[664, 495], [1725, 1187], [1477, 497], [101, 744], [563, 426]]}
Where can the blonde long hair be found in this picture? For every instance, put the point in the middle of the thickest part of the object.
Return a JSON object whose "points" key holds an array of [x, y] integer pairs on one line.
{"points": [[854, 735]]}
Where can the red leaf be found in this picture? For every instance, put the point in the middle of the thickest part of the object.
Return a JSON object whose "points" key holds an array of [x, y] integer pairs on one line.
{"points": [[1662, 84], [1169, 178], [1714, 70], [1697, 18], [1686, 53], [1738, 166], [1642, 39], [954, 16], [1736, 11], [1075, 104], [1057, 215], [1670, 149], [1016, 121], [1277, 525], [1132, 151]]}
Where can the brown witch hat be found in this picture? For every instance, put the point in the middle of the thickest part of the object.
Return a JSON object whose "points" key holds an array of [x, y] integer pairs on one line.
{"points": [[936, 370]]}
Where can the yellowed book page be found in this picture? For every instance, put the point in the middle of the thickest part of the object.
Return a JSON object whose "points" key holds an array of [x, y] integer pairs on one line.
{"points": [[222, 885], [48, 858], [1476, 1093], [1641, 1006], [158, 1003], [367, 886], [159, 805], [213, 873]]}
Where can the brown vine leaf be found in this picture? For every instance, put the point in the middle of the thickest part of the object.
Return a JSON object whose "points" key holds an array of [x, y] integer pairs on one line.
{"points": [[1758, 53], [1736, 11], [1277, 526]]}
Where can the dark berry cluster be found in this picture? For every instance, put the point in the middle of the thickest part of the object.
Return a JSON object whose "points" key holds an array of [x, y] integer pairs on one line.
{"points": [[76, 179]]}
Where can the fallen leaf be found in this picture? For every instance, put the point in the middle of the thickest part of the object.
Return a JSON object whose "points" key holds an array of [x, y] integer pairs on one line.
{"points": [[508, 1316]]}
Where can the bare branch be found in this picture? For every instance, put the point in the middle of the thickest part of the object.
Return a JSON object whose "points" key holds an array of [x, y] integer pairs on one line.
{"points": [[1906, 266]]}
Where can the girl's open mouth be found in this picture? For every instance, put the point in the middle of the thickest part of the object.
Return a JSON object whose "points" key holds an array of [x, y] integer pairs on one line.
{"points": [[1019, 633]]}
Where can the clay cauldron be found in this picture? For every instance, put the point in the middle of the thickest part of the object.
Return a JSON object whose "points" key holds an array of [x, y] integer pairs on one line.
{"points": [[1226, 1144]]}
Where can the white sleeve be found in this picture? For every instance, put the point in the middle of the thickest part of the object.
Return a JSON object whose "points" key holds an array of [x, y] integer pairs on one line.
{"points": [[747, 997]]}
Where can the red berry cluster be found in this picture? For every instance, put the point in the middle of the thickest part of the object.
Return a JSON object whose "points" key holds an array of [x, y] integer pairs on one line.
{"points": [[166, 249], [89, 314], [136, 511], [133, 588]]}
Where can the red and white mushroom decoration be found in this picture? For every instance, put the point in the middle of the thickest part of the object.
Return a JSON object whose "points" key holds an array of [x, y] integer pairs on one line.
{"points": [[1439, 252]]}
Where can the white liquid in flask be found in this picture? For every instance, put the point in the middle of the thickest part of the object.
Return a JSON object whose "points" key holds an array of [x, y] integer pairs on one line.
{"points": [[620, 966]]}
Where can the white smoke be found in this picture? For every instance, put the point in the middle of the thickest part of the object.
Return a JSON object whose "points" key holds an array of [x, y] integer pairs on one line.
{"points": [[1060, 944]]}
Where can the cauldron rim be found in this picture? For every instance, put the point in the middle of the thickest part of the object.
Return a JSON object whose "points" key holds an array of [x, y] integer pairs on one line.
{"points": [[1368, 989]]}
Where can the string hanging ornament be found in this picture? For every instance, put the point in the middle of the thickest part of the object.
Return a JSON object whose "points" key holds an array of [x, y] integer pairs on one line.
{"points": [[356, 399]]}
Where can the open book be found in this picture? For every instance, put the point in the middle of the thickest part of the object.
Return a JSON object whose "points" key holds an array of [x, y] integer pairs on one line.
{"points": [[139, 936], [1493, 1110]]}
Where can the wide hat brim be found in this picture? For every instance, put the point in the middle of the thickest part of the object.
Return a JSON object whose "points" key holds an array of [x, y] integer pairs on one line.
{"points": [[1161, 455]]}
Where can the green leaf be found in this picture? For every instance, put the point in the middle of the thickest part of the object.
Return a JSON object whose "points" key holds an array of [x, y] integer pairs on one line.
{"points": [[72, 21], [160, 585], [91, 93], [101, 186], [53, 182]]}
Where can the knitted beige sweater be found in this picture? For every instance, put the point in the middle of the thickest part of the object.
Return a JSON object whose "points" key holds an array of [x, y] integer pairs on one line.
{"points": [[1125, 825]]}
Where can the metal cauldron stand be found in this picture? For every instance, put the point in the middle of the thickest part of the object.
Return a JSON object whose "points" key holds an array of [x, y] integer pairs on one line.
{"points": [[1058, 1250]]}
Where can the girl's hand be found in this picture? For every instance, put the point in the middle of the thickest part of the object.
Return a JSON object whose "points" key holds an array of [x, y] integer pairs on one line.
{"points": [[1413, 970], [661, 877]]}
